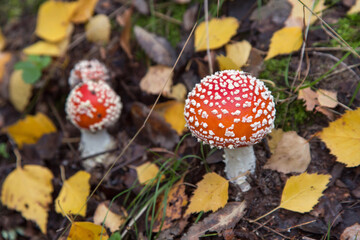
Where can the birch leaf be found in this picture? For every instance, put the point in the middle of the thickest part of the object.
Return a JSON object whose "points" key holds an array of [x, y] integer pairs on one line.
{"points": [[19, 91], [28, 190], [220, 33], [88, 231], [301, 193], [73, 195], [342, 138], [173, 112], [211, 194], [285, 41]]}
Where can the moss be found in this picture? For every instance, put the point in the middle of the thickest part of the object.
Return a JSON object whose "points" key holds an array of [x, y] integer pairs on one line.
{"points": [[348, 28], [290, 112]]}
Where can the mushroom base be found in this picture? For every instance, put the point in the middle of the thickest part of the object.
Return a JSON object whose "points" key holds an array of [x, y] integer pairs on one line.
{"points": [[237, 162], [95, 143]]}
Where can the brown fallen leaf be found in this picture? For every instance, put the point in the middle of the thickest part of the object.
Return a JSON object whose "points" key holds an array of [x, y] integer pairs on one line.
{"points": [[274, 138], [221, 220], [351, 233], [157, 48], [155, 79], [292, 154], [5, 58], [327, 98], [176, 199], [124, 20], [157, 130], [113, 218]]}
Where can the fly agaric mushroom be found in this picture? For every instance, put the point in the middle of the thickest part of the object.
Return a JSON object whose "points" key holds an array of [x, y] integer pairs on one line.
{"points": [[231, 110], [88, 70], [93, 106]]}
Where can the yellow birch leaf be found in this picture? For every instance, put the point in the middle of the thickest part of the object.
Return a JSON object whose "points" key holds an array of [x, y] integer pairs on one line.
{"points": [[5, 58], [73, 195], [220, 33], [285, 41], [43, 48], [98, 29], [112, 220], [178, 92], [342, 138], [88, 231], [211, 194], [2, 41], [147, 171], [173, 112], [19, 91], [28, 190], [54, 49], [238, 52], [30, 129], [53, 19], [84, 11], [301, 193], [226, 63], [355, 8], [297, 16]]}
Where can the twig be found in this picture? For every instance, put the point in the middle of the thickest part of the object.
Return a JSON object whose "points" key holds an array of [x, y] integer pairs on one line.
{"points": [[167, 18], [133, 220], [268, 228], [206, 10]]}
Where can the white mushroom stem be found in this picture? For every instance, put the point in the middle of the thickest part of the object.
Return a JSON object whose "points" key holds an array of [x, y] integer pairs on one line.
{"points": [[237, 162], [93, 143]]}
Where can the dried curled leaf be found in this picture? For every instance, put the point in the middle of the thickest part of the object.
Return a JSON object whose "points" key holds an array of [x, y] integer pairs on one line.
{"points": [[28, 190]]}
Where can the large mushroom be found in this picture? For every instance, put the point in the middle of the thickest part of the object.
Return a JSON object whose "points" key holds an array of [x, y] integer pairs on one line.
{"points": [[92, 107], [88, 70], [231, 110]]}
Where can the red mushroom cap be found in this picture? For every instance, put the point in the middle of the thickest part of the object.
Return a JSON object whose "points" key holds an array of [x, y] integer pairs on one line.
{"points": [[88, 70], [230, 109], [93, 106]]}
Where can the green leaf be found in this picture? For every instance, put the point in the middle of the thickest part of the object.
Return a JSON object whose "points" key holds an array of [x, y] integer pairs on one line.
{"points": [[115, 236], [40, 61], [31, 75], [24, 65]]}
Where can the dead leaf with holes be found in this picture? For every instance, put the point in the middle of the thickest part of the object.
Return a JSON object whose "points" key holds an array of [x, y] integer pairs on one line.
{"points": [[219, 221], [88, 231], [220, 30], [210, 195], [155, 79], [112, 217], [28, 190], [342, 138], [30, 129], [173, 112], [176, 200], [291, 155], [73, 195]]}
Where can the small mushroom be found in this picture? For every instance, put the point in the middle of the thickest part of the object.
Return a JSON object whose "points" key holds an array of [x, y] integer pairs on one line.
{"points": [[231, 110], [91, 107], [88, 70]]}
